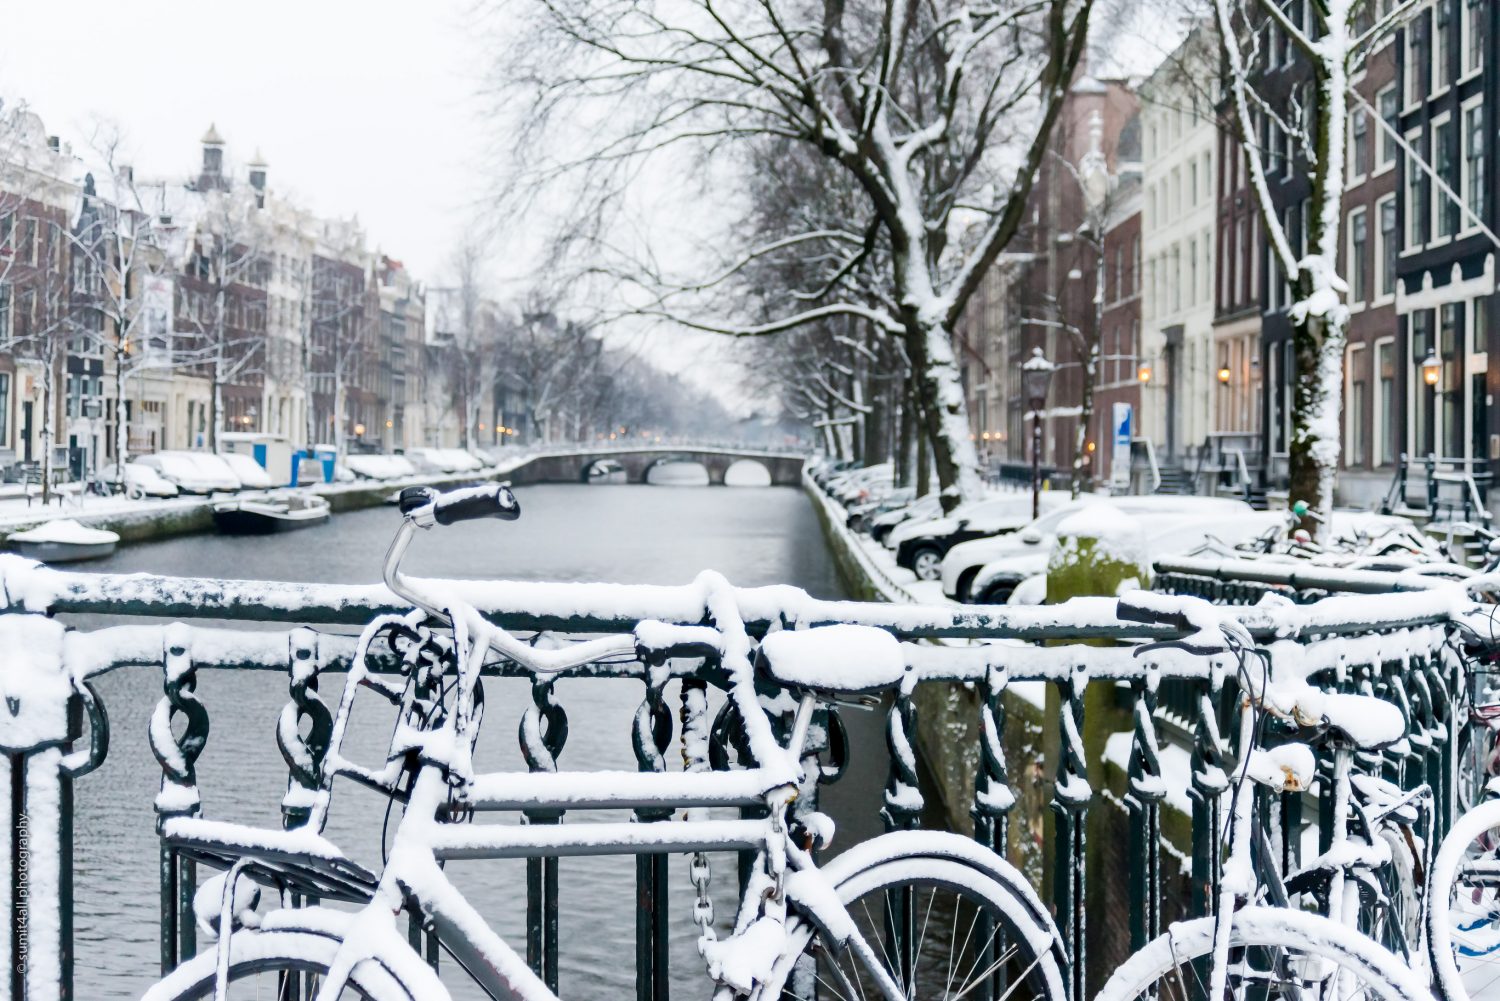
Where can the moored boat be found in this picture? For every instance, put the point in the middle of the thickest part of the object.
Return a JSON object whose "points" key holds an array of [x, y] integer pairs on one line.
{"points": [[270, 513], [63, 541]]}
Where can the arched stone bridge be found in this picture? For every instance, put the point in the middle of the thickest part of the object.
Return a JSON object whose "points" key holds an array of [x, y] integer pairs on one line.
{"points": [[785, 468]]}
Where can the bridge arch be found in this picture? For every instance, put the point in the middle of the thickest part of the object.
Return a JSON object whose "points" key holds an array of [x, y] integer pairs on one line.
{"points": [[600, 468], [747, 472], [682, 477]]}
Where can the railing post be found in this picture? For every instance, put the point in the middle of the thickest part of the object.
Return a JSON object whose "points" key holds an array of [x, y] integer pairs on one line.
{"points": [[993, 801], [1210, 780], [902, 811], [652, 735], [1070, 799], [543, 732], [37, 852], [179, 790], [1144, 801]]}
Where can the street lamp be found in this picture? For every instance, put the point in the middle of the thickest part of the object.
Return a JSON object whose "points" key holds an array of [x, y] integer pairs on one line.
{"points": [[1036, 376], [1432, 370]]}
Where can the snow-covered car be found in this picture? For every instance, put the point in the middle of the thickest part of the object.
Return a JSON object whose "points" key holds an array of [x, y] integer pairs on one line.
{"points": [[189, 473], [922, 509], [143, 481], [251, 474], [443, 460], [921, 545], [963, 560], [1014, 579], [380, 467], [860, 514]]}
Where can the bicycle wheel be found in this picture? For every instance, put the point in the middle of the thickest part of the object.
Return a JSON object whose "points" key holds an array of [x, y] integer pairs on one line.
{"points": [[280, 966], [1463, 925], [1275, 954], [936, 928]]}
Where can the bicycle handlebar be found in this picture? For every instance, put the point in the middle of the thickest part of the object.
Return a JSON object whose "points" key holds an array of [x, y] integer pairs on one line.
{"points": [[424, 505]]}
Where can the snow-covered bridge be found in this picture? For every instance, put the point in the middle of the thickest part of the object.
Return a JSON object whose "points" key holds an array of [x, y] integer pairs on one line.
{"points": [[579, 464]]}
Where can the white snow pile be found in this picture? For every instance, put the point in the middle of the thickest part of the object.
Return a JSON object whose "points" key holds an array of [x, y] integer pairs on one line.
{"points": [[380, 467], [1115, 535], [845, 658], [65, 530]]}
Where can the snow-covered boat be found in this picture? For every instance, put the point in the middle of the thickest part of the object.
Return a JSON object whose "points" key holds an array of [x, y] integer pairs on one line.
{"points": [[63, 541], [270, 513]]}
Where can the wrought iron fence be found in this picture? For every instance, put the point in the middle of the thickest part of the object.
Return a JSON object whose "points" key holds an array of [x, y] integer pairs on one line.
{"points": [[1070, 671]]}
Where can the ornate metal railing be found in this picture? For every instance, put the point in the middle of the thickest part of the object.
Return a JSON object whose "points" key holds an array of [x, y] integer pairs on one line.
{"points": [[1040, 701]]}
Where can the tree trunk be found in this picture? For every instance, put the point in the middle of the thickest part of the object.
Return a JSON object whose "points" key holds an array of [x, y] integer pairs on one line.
{"points": [[1080, 479], [48, 392], [1313, 451], [940, 404], [906, 428], [924, 463], [122, 429]]}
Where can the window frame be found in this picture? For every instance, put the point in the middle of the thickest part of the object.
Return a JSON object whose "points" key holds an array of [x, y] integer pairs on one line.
{"points": [[1355, 264], [1382, 294], [1466, 223], [1437, 209]]}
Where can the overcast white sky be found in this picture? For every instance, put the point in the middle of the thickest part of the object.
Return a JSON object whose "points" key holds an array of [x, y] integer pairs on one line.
{"points": [[359, 106]]}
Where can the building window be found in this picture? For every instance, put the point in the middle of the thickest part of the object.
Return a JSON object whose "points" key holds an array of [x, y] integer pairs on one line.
{"points": [[1192, 282], [1412, 65], [1359, 143], [1357, 265], [1386, 101], [1442, 47], [1475, 12], [1390, 244], [1416, 197], [1355, 426], [1473, 189], [1384, 417], [1445, 165]]}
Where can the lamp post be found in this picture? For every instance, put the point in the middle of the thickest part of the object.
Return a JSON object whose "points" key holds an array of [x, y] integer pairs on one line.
{"points": [[1432, 375], [1036, 376]]}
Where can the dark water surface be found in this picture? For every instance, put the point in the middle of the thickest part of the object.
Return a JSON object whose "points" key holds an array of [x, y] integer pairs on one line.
{"points": [[661, 535]]}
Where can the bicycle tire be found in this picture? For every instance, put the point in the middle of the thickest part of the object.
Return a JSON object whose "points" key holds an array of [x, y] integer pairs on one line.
{"points": [[1452, 857], [1037, 958], [1189, 944], [264, 955]]}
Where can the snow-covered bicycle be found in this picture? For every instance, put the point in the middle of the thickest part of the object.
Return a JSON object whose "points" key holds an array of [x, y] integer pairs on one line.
{"points": [[904, 916], [1254, 946]]}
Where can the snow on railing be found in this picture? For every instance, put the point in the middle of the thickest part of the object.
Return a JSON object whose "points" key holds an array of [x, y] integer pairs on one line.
{"points": [[1397, 646]]}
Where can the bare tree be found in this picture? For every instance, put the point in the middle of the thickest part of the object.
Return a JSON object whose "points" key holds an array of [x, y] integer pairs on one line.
{"points": [[335, 335], [939, 112], [467, 326], [1335, 39], [44, 319], [118, 265], [224, 277]]}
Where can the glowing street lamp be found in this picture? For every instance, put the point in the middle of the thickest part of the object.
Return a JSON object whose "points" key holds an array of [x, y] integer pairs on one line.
{"points": [[1143, 374], [1432, 370], [1036, 377], [1224, 375]]}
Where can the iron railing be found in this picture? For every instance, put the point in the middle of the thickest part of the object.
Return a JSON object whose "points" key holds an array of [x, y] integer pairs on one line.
{"points": [[1038, 701]]}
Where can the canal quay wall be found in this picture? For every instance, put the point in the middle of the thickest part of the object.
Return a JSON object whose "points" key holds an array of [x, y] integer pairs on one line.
{"points": [[948, 740], [948, 737], [147, 521]]}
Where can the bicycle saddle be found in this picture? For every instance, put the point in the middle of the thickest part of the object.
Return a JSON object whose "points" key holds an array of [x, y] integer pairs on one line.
{"points": [[838, 658], [1343, 719]]}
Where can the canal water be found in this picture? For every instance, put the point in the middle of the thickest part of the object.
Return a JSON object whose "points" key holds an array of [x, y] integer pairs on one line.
{"points": [[646, 534]]}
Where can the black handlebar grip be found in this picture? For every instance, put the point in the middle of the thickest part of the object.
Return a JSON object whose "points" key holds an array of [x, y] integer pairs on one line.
{"points": [[414, 497], [1151, 609], [488, 501]]}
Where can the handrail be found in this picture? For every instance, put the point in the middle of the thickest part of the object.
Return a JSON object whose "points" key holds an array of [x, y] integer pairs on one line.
{"points": [[1151, 459], [1244, 470]]}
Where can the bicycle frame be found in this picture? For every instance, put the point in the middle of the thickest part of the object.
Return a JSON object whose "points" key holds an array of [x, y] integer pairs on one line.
{"points": [[441, 790]]}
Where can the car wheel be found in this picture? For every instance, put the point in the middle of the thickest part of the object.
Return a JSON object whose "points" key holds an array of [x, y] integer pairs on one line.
{"points": [[927, 563], [997, 593], [965, 582]]}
